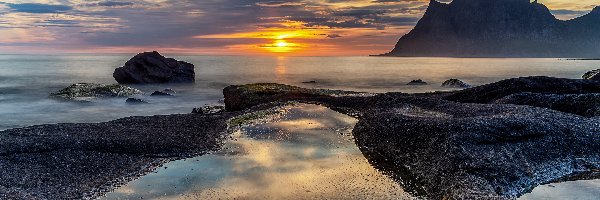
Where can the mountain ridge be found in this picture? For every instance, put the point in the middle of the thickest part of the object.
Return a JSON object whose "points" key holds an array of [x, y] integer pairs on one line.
{"points": [[500, 28]]}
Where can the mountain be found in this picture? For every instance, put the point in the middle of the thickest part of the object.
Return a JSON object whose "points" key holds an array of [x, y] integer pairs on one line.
{"points": [[499, 28]]}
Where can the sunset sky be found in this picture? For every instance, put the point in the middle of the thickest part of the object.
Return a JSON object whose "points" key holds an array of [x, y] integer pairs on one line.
{"points": [[219, 27]]}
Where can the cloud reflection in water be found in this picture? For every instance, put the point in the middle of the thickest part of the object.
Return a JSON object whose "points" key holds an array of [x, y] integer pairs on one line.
{"points": [[310, 154]]}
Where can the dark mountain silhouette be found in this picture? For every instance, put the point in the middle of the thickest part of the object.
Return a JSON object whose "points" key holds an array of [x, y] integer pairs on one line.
{"points": [[499, 28]]}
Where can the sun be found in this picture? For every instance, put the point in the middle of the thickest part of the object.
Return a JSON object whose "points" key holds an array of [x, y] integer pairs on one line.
{"points": [[282, 43]]}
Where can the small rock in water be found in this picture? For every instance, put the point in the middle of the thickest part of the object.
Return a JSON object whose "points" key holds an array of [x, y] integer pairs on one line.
{"points": [[309, 82], [88, 91], [455, 83], [169, 90], [159, 93], [417, 82], [592, 75], [135, 101]]}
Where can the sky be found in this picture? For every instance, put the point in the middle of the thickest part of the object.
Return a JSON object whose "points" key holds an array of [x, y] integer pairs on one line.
{"points": [[219, 27]]}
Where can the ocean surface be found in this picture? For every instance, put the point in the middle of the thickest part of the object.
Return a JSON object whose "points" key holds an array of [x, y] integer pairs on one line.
{"points": [[308, 153]]}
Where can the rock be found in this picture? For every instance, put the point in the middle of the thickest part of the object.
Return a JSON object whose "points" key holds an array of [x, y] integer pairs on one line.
{"points": [[159, 93], [84, 161], [592, 75], [587, 105], [536, 84], [88, 91], [135, 101], [448, 150], [455, 83], [209, 109], [169, 91], [240, 97], [417, 82], [310, 82], [151, 67]]}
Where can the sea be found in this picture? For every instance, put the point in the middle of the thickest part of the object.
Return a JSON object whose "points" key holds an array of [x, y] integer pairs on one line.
{"points": [[293, 153]]}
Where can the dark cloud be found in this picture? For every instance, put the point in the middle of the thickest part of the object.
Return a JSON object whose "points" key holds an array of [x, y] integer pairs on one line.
{"points": [[115, 3], [38, 8]]}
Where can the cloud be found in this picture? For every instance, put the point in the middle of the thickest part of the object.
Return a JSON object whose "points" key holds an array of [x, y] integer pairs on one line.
{"points": [[38, 8]]}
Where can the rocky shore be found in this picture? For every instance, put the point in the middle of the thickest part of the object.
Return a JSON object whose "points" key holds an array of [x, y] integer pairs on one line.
{"points": [[496, 141]]}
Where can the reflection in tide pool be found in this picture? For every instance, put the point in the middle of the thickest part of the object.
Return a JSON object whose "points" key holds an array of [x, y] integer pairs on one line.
{"points": [[308, 154], [573, 190]]}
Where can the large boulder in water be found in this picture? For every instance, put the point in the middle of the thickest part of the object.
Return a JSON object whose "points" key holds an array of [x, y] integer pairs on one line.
{"points": [[88, 91], [151, 67]]}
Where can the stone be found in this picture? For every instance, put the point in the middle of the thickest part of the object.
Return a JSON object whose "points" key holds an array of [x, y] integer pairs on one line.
{"points": [[209, 109], [455, 83], [417, 82], [151, 67], [592, 75], [90, 91], [135, 101], [587, 105], [159, 93]]}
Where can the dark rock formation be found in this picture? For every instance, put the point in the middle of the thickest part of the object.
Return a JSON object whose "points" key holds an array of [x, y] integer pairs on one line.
{"points": [[161, 94], [448, 150], [87, 91], [455, 83], [135, 101], [83, 161], [151, 67], [417, 82], [451, 150], [592, 75], [310, 82], [537, 84], [240, 97], [169, 90], [587, 105], [499, 28]]}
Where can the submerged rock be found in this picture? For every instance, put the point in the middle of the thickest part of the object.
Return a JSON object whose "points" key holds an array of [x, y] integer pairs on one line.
{"points": [[88, 91], [159, 93], [135, 101], [169, 90], [455, 83], [151, 67], [592, 75], [417, 82]]}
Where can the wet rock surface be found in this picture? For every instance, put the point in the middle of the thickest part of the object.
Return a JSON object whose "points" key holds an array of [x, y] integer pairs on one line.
{"points": [[537, 84], [592, 75], [151, 67], [89, 91], [452, 150], [417, 82], [587, 105], [75, 161], [161, 94]]}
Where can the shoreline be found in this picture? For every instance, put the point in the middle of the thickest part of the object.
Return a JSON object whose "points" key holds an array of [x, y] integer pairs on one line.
{"points": [[152, 141]]}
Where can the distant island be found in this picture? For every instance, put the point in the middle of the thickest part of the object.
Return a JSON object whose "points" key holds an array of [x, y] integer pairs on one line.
{"points": [[499, 28]]}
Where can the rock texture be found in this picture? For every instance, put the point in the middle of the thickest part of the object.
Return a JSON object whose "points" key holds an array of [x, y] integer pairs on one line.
{"points": [[500, 28], [151, 67], [592, 75], [455, 83], [537, 84], [88, 91], [587, 105], [417, 82], [83, 161], [452, 150]]}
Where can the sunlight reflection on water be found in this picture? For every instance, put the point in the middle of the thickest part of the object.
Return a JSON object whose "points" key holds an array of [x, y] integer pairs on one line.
{"points": [[309, 154]]}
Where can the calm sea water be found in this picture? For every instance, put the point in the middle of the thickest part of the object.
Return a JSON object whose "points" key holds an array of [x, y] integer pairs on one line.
{"points": [[27, 80], [304, 156]]}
